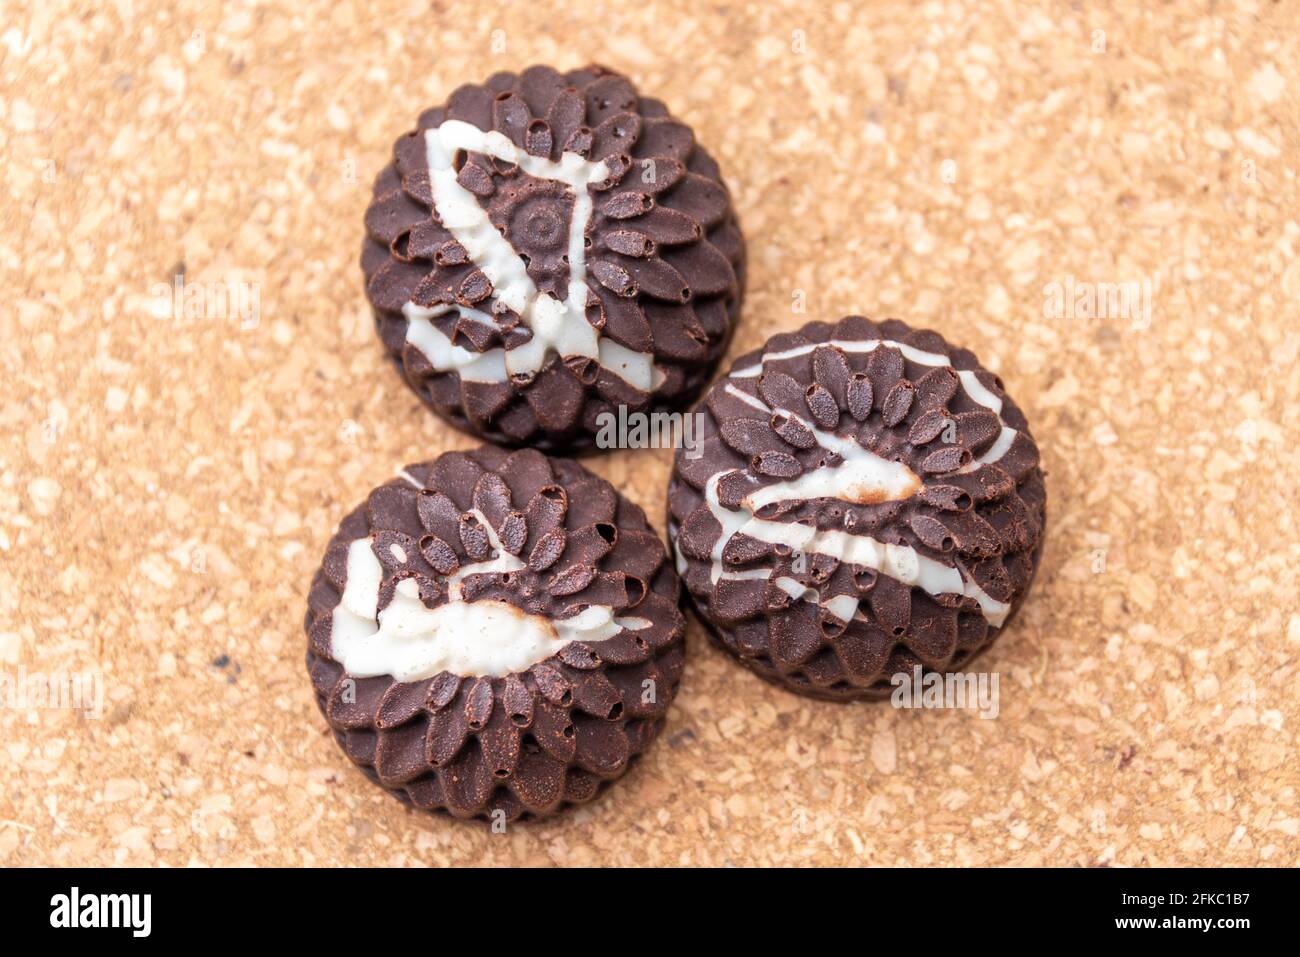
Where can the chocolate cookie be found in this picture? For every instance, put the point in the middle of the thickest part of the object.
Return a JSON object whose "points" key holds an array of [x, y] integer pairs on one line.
{"points": [[495, 632], [547, 247], [868, 499]]}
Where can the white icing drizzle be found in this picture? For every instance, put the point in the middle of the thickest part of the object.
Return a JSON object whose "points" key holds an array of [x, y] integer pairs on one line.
{"points": [[900, 562], [444, 355], [969, 382], [485, 637], [558, 328], [683, 566], [861, 476], [843, 607], [407, 477]]}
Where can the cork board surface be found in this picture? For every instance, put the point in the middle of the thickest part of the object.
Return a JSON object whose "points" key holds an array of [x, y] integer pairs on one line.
{"points": [[169, 478]]}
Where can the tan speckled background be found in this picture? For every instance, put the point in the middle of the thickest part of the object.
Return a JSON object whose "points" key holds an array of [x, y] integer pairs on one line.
{"points": [[167, 484]]}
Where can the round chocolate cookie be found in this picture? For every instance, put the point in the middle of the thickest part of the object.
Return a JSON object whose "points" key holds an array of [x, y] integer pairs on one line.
{"points": [[495, 633], [547, 247], [866, 499]]}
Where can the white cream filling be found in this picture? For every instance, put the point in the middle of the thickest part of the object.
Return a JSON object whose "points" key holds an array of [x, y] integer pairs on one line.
{"points": [[861, 473], [558, 328], [486, 637]]}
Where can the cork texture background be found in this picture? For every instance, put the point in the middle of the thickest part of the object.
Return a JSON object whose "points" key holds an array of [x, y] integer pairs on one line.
{"points": [[173, 463]]}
